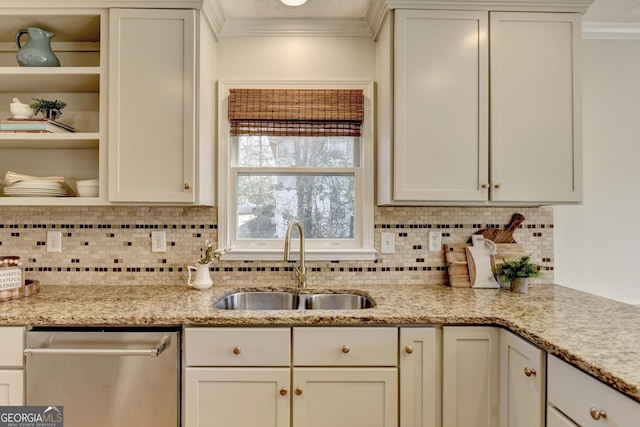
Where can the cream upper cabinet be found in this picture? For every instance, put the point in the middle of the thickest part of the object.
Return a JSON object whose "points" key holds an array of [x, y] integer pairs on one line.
{"points": [[12, 366], [478, 108], [159, 149], [470, 376], [522, 382], [536, 140]]}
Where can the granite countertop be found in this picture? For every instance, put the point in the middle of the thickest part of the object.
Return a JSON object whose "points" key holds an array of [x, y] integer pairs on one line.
{"points": [[597, 335]]}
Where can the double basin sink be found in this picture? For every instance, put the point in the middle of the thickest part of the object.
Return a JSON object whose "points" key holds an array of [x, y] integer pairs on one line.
{"points": [[284, 300]]}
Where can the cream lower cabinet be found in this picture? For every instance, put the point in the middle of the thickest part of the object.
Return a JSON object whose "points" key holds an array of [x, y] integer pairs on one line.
{"points": [[237, 397], [345, 397], [576, 398], [12, 366], [470, 376], [522, 382], [161, 81], [420, 380], [338, 376], [556, 418]]}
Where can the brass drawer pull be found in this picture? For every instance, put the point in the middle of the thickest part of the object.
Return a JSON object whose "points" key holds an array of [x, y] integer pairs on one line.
{"points": [[529, 372], [298, 391], [408, 349], [596, 414], [283, 391], [345, 349], [236, 350]]}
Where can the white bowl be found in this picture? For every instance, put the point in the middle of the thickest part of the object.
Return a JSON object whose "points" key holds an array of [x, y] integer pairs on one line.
{"points": [[88, 188]]}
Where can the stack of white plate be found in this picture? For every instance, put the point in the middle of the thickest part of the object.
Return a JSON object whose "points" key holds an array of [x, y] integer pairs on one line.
{"points": [[36, 188]]}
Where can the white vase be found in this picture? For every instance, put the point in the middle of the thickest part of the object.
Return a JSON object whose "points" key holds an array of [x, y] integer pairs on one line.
{"points": [[202, 277], [520, 285]]}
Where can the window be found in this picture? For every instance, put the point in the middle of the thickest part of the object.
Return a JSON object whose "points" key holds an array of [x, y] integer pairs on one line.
{"points": [[304, 154]]}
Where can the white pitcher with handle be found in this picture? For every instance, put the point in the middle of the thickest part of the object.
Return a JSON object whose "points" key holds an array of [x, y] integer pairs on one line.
{"points": [[202, 278]]}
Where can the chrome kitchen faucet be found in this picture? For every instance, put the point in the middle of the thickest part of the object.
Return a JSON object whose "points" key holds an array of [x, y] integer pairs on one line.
{"points": [[301, 270]]}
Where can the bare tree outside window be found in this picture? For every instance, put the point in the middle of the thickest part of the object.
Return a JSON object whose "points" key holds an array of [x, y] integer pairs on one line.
{"points": [[309, 179]]}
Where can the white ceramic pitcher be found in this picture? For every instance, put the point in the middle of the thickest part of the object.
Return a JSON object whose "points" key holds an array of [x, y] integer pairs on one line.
{"points": [[202, 277]]}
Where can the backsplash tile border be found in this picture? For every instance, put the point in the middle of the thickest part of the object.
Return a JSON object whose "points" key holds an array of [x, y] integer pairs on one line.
{"points": [[112, 245]]}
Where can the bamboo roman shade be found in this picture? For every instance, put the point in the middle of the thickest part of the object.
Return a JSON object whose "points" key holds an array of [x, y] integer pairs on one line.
{"points": [[296, 112]]}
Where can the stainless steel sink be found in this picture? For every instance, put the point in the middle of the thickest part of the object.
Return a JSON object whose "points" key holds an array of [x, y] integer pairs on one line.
{"points": [[336, 302], [275, 300], [259, 301]]}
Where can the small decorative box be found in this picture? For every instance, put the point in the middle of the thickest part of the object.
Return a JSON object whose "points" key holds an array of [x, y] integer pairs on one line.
{"points": [[11, 278]]}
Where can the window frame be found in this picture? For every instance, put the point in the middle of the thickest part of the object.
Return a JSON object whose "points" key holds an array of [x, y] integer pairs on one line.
{"points": [[364, 202]]}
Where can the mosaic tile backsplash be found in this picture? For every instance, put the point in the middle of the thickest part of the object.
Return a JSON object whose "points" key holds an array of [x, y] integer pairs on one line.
{"points": [[112, 245]]}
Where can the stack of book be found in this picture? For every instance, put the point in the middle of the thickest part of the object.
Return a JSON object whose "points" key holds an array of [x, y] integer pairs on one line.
{"points": [[34, 125]]}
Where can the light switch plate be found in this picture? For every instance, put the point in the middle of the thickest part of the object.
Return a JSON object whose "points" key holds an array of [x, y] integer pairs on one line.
{"points": [[388, 244]]}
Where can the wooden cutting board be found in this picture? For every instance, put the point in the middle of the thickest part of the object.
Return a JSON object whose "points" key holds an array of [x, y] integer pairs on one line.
{"points": [[502, 236], [456, 258]]}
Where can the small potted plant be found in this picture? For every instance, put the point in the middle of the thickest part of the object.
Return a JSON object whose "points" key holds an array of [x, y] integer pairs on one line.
{"points": [[517, 273], [50, 109]]}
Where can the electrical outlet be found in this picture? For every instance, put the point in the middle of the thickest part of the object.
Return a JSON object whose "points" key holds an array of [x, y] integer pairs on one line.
{"points": [[435, 241], [54, 241], [388, 245], [158, 241]]}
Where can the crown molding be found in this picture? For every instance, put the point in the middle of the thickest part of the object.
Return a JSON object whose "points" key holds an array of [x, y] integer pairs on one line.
{"points": [[295, 27], [611, 30], [378, 9], [215, 16]]}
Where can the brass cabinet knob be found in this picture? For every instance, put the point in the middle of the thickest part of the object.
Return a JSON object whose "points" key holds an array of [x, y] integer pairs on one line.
{"points": [[236, 350], [596, 414], [345, 349], [408, 349], [283, 391], [298, 391], [187, 186], [529, 372], [485, 185], [498, 186]]}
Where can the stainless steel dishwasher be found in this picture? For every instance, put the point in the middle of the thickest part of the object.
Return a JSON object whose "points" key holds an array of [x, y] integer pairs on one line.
{"points": [[106, 377]]}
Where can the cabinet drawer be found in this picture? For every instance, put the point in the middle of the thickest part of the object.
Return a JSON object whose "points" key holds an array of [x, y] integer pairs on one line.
{"points": [[11, 346], [345, 346], [238, 346], [574, 393]]}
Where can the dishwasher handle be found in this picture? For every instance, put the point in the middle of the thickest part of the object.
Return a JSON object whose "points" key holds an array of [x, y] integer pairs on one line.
{"points": [[49, 351]]}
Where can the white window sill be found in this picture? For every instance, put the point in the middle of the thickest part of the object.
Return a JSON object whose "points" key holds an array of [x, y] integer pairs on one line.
{"points": [[310, 255]]}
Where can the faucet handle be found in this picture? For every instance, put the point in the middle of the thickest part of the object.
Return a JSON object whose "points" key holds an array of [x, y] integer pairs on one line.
{"points": [[302, 278]]}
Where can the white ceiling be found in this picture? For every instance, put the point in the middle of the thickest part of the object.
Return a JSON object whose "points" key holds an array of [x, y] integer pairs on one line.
{"points": [[613, 11], [600, 11]]}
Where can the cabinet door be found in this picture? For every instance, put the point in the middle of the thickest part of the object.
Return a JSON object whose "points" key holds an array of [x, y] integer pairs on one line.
{"points": [[419, 377], [536, 148], [12, 387], [522, 382], [441, 106], [236, 397], [345, 397], [152, 106], [470, 372], [556, 419]]}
